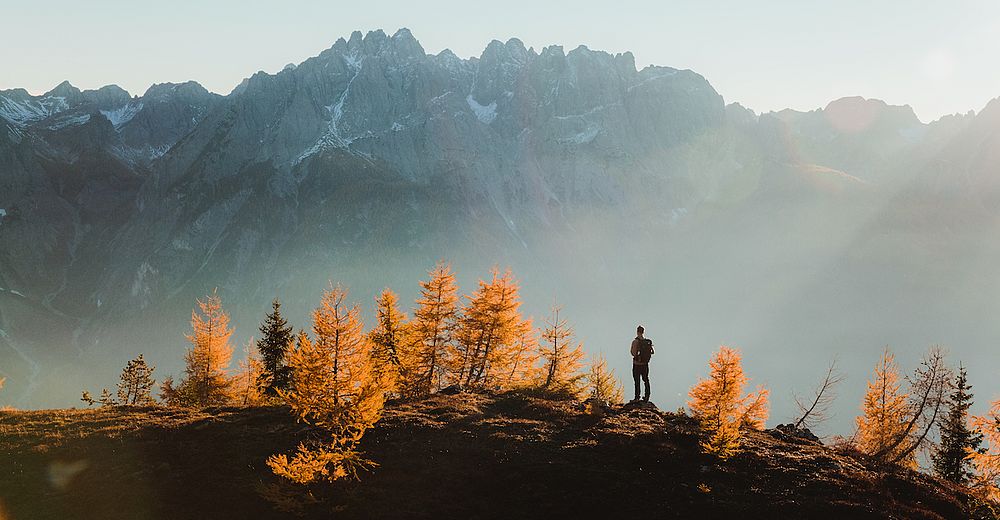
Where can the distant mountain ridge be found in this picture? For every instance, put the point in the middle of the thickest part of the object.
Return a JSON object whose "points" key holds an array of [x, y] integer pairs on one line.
{"points": [[372, 160]]}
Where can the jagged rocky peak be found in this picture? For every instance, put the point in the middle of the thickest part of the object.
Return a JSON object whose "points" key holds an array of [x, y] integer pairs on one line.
{"points": [[740, 115], [404, 43], [107, 97], [513, 51], [64, 90], [499, 67], [170, 91], [449, 61]]}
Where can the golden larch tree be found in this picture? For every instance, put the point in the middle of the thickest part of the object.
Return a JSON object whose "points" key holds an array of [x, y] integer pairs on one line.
{"points": [[487, 333], [430, 333], [206, 374], [885, 411], [602, 383], [335, 387], [522, 362], [248, 385], [388, 338], [985, 480], [721, 408], [562, 358]]}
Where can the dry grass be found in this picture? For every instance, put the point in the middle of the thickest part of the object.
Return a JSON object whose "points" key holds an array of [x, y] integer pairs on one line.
{"points": [[463, 456]]}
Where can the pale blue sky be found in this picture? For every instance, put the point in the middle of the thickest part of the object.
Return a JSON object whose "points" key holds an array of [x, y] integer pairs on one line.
{"points": [[939, 57]]}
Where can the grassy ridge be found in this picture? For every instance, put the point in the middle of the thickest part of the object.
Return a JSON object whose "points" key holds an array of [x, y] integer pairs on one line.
{"points": [[459, 456]]}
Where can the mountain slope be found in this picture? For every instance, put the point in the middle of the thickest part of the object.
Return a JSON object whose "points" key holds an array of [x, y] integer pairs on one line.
{"points": [[637, 195]]}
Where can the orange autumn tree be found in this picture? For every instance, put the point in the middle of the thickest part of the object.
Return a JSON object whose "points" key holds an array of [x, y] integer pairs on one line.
{"points": [[335, 387], [885, 412], [602, 384], [562, 357], [488, 333], [206, 374], [522, 370], [721, 408], [248, 386], [388, 339], [986, 462], [430, 333]]}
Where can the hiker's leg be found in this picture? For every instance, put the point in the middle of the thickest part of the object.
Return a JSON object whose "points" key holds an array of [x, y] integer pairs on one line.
{"points": [[645, 380], [635, 377]]}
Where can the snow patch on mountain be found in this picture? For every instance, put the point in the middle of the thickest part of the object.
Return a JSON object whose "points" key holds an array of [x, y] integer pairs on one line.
{"points": [[21, 113], [70, 121], [677, 214], [592, 111], [485, 113], [668, 73], [122, 115], [332, 137], [140, 284], [140, 154], [583, 137]]}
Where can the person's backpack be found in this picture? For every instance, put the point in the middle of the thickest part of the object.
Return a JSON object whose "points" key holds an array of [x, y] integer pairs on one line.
{"points": [[645, 350]]}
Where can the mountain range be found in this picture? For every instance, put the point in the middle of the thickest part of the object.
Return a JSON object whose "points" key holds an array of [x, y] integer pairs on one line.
{"points": [[628, 194]]}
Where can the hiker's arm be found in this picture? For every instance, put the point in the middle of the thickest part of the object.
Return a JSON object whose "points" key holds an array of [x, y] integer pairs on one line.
{"points": [[635, 348]]}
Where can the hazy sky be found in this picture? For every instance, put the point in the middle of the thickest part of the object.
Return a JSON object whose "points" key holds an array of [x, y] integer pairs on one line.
{"points": [[939, 57]]}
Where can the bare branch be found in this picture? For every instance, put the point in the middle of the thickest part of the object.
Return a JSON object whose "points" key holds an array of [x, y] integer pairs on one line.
{"points": [[928, 384], [817, 411]]}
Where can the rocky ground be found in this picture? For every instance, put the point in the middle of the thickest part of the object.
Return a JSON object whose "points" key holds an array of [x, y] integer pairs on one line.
{"points": [[450, 456]]}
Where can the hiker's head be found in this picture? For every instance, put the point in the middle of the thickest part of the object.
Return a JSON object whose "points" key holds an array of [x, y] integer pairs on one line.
{"points": [[639, 330]]}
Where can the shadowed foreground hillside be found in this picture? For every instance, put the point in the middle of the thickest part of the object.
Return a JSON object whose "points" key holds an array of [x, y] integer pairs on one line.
{"points": [[458, 456]]}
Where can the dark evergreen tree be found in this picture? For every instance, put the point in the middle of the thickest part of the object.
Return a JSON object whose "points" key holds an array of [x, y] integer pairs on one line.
{"points": [[136, 383], [106, 399], [957, 439], [276, 338]]}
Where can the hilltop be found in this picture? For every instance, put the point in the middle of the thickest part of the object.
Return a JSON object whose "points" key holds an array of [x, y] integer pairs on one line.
{"points": [[449, 456]]}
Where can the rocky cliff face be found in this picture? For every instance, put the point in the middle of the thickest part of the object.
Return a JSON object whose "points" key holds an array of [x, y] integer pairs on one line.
{"points": [[369, 162]]}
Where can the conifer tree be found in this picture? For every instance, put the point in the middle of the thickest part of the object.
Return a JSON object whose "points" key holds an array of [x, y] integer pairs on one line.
{"points": [[431, 332], [106, 398], [522, 362], [136, 383], [87, 398], [958, 440], [721, 408], [333, 386], [339, 333], [275, 340], [487, 332], [388, 338], [562, 359], [602, 383], [885, 410], [207, 381]]}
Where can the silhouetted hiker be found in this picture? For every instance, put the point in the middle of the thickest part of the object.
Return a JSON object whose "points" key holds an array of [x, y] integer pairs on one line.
{"points": [[642, 350]]}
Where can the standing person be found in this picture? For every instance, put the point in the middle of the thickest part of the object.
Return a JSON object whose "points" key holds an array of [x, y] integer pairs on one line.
{"points": [[642, 350]]}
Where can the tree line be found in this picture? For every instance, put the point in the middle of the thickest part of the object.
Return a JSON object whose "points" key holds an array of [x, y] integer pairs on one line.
{"points": [[337, 376]]}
